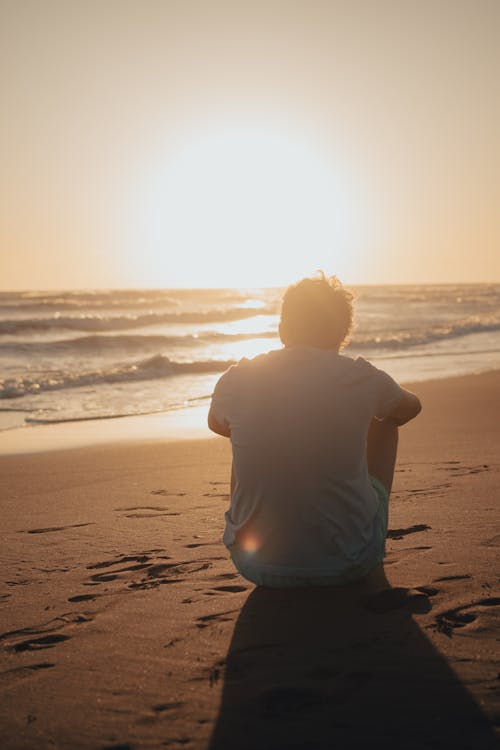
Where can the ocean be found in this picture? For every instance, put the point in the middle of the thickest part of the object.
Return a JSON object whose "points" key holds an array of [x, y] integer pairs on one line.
{"points": [[98, 354]]}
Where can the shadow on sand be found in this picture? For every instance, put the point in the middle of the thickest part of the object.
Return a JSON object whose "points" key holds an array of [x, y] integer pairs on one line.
{"points": [[347, 667]]}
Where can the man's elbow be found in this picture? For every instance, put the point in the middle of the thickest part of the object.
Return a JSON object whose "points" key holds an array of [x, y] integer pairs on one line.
{"points": [[412, 409], [408, 409], [418, 406], [215, 426]]}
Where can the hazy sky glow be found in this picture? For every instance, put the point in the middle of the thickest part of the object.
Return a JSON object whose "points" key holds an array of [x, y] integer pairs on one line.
{"points": [[235, 143]]}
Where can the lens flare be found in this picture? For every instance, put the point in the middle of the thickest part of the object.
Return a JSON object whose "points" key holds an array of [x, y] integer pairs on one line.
{"points": [[248, 543]]}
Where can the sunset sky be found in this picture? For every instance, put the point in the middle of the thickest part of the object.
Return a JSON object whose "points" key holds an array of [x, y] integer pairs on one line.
{"points": [[234, 143]]}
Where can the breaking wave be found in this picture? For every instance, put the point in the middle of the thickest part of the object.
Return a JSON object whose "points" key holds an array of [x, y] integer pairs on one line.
{"points": [[94, 322], [97, 343], [129, 343], [147, 369], [404, 339]]}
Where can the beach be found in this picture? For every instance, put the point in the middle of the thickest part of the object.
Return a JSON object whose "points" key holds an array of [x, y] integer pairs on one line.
{"points": [[124, 624]]}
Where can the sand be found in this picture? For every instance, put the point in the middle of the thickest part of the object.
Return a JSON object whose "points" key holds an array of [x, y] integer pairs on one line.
{"points": [[124, 624], [167, 427]]}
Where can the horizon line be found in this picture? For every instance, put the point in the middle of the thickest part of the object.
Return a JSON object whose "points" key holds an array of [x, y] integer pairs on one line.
{"points": [[80, 290]]}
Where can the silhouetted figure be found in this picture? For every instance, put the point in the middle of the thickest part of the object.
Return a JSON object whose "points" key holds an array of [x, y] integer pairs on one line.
{"points": [[314, 439]]}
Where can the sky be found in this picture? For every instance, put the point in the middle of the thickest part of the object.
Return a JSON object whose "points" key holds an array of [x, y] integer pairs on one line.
{"points": [[221, 143]]}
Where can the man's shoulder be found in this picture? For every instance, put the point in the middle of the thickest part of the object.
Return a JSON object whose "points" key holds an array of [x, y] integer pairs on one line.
{"points": [[355, 367], [246, 367], [267, 359], [360, 372], [360, 364]]}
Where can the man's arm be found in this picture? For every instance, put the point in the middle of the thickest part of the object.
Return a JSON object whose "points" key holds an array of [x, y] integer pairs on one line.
{"points": [[215, 426], [406, 409]]}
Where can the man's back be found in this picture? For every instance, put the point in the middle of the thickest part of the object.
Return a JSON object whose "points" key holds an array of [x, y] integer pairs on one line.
{"points": [[304, 508], [303, 501]]}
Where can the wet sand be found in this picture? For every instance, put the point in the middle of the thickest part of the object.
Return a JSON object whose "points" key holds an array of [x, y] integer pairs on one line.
{"points": [[124, 624]]}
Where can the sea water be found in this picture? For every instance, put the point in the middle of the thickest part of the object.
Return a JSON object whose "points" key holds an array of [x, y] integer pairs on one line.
{"points": [[95, 354]]}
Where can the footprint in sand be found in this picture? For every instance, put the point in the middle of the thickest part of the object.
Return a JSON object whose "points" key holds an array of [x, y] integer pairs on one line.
{"points": [[392, 559], [28, 669], [459, 617], [155, 571], [140, 561], [142, 507], [461, 471], [83, 598], [493, 542], [104, 577], [225, 589], [169, 573], [226, 576], [162, 707], [50, 529], [150, 515], [216, 673], [205, 620], [45, 635], [400, 533], [213, 674], [37, 644], [434, 490], [168, 493], [140, 558], [417, 600], [158, 511]]}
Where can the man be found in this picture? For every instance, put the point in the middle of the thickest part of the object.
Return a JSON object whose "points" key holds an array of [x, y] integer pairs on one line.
{"points": [[314, 437]]}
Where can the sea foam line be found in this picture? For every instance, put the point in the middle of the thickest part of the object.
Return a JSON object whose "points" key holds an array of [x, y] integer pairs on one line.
{"points": [[147, 369]]}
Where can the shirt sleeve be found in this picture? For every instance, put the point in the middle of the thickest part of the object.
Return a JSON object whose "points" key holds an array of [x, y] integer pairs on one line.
{"points": [[222, 397], [389, 393]]}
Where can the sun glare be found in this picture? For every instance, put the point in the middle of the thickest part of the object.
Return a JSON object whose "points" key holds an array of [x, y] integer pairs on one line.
{"points": [[248, 205]]}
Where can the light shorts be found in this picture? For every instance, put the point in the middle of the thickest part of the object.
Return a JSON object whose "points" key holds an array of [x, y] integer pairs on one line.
{"points": [[355, 573]]}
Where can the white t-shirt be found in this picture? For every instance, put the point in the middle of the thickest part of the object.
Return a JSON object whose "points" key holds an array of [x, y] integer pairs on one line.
{"points": [[303, 503]]}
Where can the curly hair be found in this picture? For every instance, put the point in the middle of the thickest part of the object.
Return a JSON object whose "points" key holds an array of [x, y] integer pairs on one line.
{"points": [[317, 312]]}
